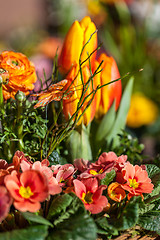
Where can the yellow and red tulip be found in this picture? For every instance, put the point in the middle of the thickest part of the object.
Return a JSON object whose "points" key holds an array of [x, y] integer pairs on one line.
{"points": [[75, 84], [107, 94], [77, 36]]}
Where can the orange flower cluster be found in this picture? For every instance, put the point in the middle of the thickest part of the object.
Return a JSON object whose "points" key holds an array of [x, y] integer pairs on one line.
{"points": [[21, 73], [81, 42]]}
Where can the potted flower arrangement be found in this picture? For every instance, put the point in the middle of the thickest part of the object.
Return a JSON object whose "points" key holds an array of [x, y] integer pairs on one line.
{"points": [[68, 170]]}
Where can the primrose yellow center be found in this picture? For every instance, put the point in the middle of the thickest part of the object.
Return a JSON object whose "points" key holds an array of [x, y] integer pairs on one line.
{"points": [[133, 183], [87, 197], [25, 192], [93, 172], [61, 180]]}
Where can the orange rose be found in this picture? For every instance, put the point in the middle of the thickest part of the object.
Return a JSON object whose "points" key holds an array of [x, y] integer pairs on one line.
{"points": [[21, 73]]}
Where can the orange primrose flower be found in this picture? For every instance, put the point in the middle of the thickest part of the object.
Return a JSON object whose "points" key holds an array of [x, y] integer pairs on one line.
{"points": [[21, 73], [107, 94], [27, 189], [77, 36], [116, 192], [137, 180]]}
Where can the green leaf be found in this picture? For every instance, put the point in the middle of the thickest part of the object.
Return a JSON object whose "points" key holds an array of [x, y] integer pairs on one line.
{"points": [[150, 221], [78, 227], [144, 208], [55, 158], [128, 218], [106, 123], [121, 115], [109, 177], [79, 145], [154, 174], [105, 228], [58, 205], [31, 233], [152, 170], [36, 218], [75, 205]]}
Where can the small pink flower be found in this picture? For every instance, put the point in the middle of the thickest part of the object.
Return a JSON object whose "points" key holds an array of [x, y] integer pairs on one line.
{"points": [[137, 180], [5, 203], [91, 194], [27, 189], [55, 169], [53, 186], [3, 170], [106, 158], [65, 174], [81, 164]]}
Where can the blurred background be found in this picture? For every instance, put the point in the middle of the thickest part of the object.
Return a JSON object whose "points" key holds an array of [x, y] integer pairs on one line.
{"points": [[129, 30]]}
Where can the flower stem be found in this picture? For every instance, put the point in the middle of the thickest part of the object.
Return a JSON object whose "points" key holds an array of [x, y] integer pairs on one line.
{"points": [[20, 97]]}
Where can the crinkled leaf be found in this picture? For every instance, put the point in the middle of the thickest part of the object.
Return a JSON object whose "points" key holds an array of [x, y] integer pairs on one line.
{"points": [[78, 227], [55, 158], [144, 208], [31, 233], [105, 228], [153, 172], [36, 218], [106, 123], [109, 177], [121, 115], [75, 205], [150, 221], [128, 218], [59, 204]]}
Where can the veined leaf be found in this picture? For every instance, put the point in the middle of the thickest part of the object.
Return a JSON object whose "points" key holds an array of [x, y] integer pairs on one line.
{"points": [[121, 115], [106, 123], [59, 204], [31, 233], [150, 221], [78, 227], [128, 218], [109, 177], [36, 218]]}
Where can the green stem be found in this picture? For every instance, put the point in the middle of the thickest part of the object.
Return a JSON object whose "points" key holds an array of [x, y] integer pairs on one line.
{"points": [[20, 97], [2, 111]]}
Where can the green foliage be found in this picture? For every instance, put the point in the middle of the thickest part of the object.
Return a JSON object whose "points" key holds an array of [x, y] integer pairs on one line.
{"points": [[32, 217], [78, 144], [70, 219], [106, 124], [150, 221], [23, 128], [128, 217], [129, 146], [121, 117], [81, 226], [104, 228], [58, 205], [109, 177], [38, 232], [55, 158]]}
